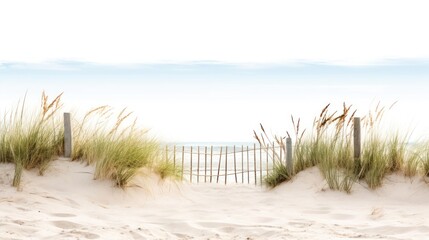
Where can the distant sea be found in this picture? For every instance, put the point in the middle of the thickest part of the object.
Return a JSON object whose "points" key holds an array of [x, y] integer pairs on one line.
{"points": [[214, 144]]}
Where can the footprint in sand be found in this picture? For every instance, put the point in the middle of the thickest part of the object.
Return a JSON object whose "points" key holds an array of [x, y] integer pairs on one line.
{"points": [[86, 235], [19, 222], [136, 236], [66, 224], [299, 224], [376, 213]]}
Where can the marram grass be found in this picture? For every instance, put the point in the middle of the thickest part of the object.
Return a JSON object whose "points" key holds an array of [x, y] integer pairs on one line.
{"points": [[329, 146], [118, 150], [31, 140], [425, 160], [279, 175]]}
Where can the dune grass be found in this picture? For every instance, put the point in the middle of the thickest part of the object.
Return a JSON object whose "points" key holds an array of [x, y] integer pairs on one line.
{"points": [[278, 175], [117, 148], [425, 159], [31, 140], [329, 146]]}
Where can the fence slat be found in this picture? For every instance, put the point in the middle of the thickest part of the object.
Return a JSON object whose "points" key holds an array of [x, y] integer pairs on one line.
{"points": [[242, 164], [254, 162], [67, 136], [183, 160], [211, 163], [226, 164], [267, 157], [235, 166], [218, 167], [205, 164], [274, 151], [191, 166], [248, 165], [198, 166], [260, 163]]}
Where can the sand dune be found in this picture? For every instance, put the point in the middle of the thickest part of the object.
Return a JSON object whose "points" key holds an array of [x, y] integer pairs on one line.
{"points": [[67, 203]]}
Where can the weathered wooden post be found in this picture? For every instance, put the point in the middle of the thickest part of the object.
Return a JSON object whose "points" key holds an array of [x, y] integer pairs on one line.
{"points": [[174, 157], [289, 160], [67, 136], [226, 164], [357, 144]]}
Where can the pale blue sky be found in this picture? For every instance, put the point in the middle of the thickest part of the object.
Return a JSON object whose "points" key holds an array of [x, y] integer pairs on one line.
{"points": [[224, 102], [213, 70]]}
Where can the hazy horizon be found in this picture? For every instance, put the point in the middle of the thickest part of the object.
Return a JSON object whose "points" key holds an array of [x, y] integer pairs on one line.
{"points": [[218, 102], [213, 70]]}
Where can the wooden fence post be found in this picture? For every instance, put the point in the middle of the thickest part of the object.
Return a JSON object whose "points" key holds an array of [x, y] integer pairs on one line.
{"points": [[289, 160], [67, 136], [226, 163], [174, 157], [357, 143]]}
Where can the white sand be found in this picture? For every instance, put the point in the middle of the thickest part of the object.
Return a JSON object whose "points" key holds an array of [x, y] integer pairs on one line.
{"points": [[67, 203]]}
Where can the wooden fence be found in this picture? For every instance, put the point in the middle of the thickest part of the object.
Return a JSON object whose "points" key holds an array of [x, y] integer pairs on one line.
{"points": [[228, 164], [237, 164]]}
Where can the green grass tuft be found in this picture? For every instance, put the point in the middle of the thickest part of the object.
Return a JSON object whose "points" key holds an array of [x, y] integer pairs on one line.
{"points": [[279, 175], [329, 146], [116, 149], [31, 140]]}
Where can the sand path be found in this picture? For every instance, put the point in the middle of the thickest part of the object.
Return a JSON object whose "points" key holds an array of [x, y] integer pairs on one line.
{"points": [[67, 203]]}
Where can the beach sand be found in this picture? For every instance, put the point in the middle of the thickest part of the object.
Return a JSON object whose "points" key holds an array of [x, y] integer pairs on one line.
{"points": [[66, 203]]}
